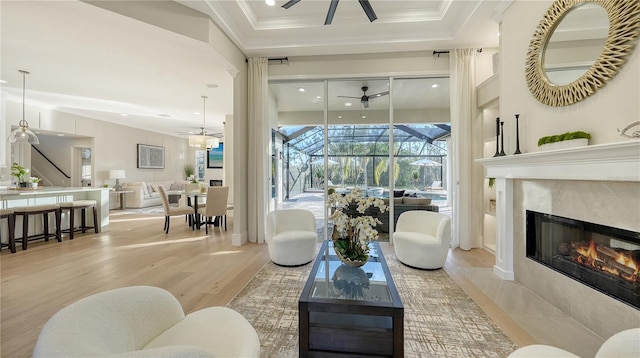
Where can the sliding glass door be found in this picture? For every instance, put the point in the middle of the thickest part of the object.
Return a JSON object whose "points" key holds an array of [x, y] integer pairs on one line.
{"points": [[385, 136]]}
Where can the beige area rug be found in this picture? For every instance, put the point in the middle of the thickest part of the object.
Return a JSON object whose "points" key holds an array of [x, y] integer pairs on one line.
{"points": [[440, 320]]}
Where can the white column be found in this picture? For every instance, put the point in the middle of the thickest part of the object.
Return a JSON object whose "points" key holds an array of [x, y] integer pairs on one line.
{"points": [[504, 228]]}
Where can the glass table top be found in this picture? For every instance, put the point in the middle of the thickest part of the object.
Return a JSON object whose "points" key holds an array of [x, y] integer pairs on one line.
{"points": [[335, 280]]}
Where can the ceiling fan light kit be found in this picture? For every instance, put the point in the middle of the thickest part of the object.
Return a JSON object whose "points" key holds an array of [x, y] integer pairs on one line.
{"points": [[366, 6], [23, 133], [203, 141]]}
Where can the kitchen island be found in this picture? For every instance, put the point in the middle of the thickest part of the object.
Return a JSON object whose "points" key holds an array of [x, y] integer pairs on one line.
{"points": [[14, 197]]}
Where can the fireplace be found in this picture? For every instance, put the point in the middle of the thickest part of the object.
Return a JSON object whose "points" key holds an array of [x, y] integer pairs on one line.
{"points": [[602, 257]]}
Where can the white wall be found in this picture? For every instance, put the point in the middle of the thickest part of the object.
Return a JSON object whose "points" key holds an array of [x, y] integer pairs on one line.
{"points": [[345, 66], [114, 146], [608, 203], [613, 106]]}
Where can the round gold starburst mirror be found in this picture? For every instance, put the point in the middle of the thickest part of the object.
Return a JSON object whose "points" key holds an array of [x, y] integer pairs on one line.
{"points": [[578, 46]]}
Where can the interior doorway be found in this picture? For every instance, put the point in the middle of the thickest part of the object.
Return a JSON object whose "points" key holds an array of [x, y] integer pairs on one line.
{"points": [[82, 167]]}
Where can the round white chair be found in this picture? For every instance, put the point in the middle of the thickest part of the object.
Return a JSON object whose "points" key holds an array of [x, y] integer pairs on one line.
{"points": [[422, 239], [291, 236], [624, 344], [144, 321]]}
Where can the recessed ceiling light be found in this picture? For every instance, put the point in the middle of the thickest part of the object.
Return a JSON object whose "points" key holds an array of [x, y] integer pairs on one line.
{"points": [[435, 85], [319, 97], [3, 81], [270, 2], [339, 116], [348, 104], [300, 89], [124, 114], [363, 116]]}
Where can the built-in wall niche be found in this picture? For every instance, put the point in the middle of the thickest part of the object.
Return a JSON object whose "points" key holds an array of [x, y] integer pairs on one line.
{"points": [[489, 115], [603, 257]]}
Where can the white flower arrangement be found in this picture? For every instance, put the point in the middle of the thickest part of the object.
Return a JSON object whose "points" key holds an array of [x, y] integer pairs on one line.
{"points": [[354, 232]]}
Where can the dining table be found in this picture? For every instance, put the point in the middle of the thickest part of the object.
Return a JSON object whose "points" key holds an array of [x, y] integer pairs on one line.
{"points": [[194, 195]]}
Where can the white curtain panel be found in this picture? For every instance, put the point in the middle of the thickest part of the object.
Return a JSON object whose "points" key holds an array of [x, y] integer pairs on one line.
{"points": [[467, 142], [259, 148]]}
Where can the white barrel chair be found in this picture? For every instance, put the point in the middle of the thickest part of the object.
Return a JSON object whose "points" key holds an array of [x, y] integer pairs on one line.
{"points": [[624, 344], [422, 239], [291, 236], [144, 321]]}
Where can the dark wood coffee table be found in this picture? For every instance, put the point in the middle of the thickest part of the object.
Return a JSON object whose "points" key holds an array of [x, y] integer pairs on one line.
{"points": [[346, 311]]}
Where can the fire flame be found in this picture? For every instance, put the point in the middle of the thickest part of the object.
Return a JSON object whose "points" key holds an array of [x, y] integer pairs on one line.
{"points": [[589, 257], [627, 261]]}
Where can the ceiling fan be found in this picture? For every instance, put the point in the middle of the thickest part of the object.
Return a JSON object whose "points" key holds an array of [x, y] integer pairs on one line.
{"points": [[201, 131], [334, 5], [365, 99]]}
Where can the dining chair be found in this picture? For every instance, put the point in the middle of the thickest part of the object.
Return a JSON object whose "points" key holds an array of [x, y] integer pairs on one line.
{"points": [[170, 211], [190, 187], [216, 206]]}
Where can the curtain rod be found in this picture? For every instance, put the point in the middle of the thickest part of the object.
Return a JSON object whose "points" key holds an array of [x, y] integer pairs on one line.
{"points": [[438, 53], [281, 60]]}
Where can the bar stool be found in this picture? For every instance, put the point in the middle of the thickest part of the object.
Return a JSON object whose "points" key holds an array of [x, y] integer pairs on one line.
{"points": [[11, 219], [72, 206], [44, 210]]}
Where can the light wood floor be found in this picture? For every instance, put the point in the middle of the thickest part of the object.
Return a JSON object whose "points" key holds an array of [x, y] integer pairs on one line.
{"points": [[199, 270]]}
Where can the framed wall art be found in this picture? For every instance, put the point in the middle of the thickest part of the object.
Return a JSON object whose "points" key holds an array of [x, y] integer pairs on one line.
{"points": [[150, 157], [215, 156]]}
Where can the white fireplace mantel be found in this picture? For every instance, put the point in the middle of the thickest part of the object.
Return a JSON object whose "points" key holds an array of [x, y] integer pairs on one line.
{"points": [[603, 162], [607, 162]]}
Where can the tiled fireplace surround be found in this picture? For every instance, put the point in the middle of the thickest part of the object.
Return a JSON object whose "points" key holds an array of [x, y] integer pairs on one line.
{"points": [[597, 183]]}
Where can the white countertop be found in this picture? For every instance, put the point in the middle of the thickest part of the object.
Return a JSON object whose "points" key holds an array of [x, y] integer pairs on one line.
{"points": [[45, 190]]}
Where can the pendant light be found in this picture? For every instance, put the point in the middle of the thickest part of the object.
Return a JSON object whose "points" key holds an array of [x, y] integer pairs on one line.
{"points": [[23, 134], [203, 141]]}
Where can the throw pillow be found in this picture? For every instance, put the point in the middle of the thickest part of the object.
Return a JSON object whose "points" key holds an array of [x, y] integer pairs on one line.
{"points": [[176, 186], [416, 201]]}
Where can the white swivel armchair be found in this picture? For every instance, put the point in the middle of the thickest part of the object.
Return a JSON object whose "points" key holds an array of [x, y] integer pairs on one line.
{"points": [[291, 236], [624, 344], [144, 321], [422, 239]]}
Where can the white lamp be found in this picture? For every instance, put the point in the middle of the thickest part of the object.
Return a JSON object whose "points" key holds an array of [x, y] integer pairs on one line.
{"points": [[23, 133], [117, 175], [203, 141]]}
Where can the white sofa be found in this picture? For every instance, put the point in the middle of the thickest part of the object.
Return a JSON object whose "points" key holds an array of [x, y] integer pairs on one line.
{"points": [[145, 193], [144, 321], [624, 344]]}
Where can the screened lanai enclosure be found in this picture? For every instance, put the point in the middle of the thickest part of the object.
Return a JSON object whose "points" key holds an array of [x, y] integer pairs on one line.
{"points": [[359, 156], [337, 135]]}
